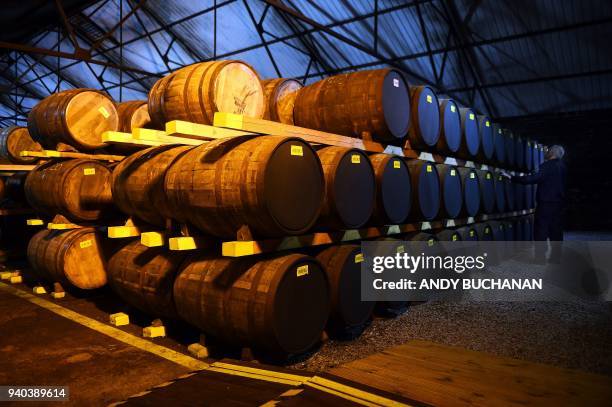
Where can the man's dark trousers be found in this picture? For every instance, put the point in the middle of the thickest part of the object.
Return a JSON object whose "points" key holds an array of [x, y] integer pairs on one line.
{"points": [[548, 224]]}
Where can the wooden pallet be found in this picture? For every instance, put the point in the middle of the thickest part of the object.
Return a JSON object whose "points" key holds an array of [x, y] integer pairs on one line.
{"points": [[8, 169]]}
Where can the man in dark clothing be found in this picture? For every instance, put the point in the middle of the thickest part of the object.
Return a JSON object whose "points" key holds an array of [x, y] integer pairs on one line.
{"points": [[550, 197]]}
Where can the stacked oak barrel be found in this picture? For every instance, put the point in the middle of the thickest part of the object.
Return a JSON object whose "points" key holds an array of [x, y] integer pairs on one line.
{"points": [[263, 187]]}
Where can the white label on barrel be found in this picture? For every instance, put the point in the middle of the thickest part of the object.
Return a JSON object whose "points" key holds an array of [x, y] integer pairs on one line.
{"points": [[487, 124], [89, 171], [302, 270], [472, 175], [400, 249], [488, 175], [429, 169], [103, 112], [453, 173], [396, 164], [453, 109], [355, 158], [358, 257], [471, 116], [430, 242], [297, 150], [454, 238], [85, 243], [395, 83]]}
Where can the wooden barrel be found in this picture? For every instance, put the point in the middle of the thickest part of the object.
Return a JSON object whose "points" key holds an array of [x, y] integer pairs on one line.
{"points": [[276, 305], [76, 117], [487, 191], [73, 258], [78, 189], [510, 199], [498, 229], [499, 141], [279, 96], [471, 191], [138, 184], [450, 128], [425, 190], [14, 140], [133, 114], [375, 102], [388, 308], [14, 187], [500, 192], [196, 92], [510, 155], [452, 194], [528, 155], [272, 184], [393, 189], [470, 138], [519, 196], [144, 277], [519, 152], [468, 233], [350, 188], [485, 232], [349, 314], [424, 129], [525, 229], [509, 231], [2, 189], [449, 235], [530, 196], [487, 143]]}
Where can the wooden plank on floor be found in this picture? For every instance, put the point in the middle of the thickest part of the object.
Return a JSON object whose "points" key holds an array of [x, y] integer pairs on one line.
{"points": [[451, 376]]}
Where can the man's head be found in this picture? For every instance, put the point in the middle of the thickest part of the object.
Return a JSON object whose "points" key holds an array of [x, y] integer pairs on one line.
{"points": [[555, 152]]}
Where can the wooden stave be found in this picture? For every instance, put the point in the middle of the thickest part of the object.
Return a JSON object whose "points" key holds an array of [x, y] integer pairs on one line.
{"points": [[272, 89], [218, 295], [54, 175], [48, 251], [223, 219], [331, 216], [144, 277], [12, 154], [334, 259], [145, 200], [330, 97], [381, 163]]}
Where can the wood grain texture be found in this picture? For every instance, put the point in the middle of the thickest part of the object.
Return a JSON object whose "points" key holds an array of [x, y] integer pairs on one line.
{"points": [[14, 140], [194, 93], [280, 97], [450, 376], [133, 114], [73, 258]]}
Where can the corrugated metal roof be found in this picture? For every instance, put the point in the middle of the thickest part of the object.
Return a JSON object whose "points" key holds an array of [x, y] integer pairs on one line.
{"points": [[529, 56]]}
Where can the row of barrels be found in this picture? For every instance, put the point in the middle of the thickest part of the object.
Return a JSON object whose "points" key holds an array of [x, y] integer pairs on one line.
{"points": [[277, 304], [277, 186], [377, 104]]}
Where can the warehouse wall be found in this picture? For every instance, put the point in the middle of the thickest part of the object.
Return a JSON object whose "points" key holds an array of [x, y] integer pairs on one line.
{"points": [[587, 138]]}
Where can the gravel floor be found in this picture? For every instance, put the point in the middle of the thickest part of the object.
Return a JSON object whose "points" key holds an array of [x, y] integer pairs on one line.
{"points": [[574, 334]]}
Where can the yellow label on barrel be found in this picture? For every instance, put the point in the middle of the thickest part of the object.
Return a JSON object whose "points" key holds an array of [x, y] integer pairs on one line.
{"points": [[499, 178], [396, 164], [472, 175], [453, 108], [355, 158], [302, 270], [487, 231], [429, 169], [85, 243], [429, 99], [488, 175], [400, 249], [454, 238], [488, 124], [89, 171], [453, 173], [297, 150], [471, 116], [103, 112], [430, 242], [359, 258], [471, 233]]}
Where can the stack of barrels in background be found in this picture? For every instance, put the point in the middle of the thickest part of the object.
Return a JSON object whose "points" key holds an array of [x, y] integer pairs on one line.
{"points": [[263, 187]]}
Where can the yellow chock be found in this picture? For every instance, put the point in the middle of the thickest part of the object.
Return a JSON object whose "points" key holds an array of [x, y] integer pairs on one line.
{"points": [[39, 289], [58, 294], [16, 279], [182, 243], [152, 239], [6, 275], [198, 350], [34, 222], [119, 232], [154, 332], [119, 319]]}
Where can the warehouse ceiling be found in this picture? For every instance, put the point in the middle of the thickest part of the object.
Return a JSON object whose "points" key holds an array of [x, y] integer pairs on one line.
{"points": [[508, 58]]}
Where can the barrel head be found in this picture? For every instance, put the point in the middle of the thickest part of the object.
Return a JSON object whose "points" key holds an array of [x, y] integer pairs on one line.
{"points": [[469, 126], [485, 130], [396, 104], [429, 191], [487, 191], [451, 191], [451, 125], [396, 190], [354, 189], [471, 193]]}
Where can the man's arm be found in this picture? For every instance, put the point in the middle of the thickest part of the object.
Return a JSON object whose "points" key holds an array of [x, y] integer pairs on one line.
{"points": [[528, 179]]}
